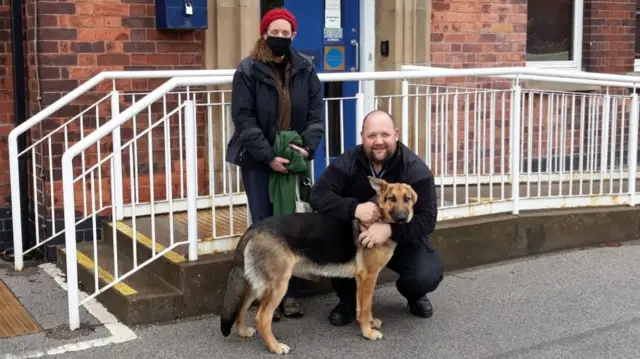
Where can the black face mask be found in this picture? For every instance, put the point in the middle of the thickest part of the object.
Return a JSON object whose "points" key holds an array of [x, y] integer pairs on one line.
{"points": [[278, 45]]}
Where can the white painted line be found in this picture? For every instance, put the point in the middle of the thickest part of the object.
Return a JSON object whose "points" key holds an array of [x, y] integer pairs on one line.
{"points": [[120, 333]]}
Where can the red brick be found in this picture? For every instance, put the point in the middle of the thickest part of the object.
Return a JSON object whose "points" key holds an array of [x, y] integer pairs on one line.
{"points": [[84, 9], [113, 59], [82, 73], [609, 36], [138, 10], [87, 60], [112, 34], [112, 9], [48, 7], [81, 21], [114, 46], [112, 21], [163, 59]]}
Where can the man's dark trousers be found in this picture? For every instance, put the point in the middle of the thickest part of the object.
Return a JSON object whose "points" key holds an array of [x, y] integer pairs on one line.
{"points": [[418, 265]]}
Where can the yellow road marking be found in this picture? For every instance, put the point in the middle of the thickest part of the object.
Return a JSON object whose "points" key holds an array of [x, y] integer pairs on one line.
{"points": [[86, 262], [147, 242]]}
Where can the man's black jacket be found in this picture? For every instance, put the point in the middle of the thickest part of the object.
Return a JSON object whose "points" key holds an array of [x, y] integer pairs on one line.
{"points": [[344, 185], [254, 109]]}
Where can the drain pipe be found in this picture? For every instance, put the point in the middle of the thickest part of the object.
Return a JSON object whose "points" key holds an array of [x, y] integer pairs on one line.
{"points": [[20, 112]]}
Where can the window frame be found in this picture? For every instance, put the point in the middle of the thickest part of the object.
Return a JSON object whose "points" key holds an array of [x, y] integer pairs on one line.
{"points": [[578, 28]]}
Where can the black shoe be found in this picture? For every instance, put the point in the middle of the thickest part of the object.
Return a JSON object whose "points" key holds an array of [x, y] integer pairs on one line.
{"points": [[291, 308], [342, 314], [421, 308], [277, 314]]}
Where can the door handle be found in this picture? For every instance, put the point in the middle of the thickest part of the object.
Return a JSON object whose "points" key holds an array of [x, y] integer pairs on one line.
{"points": [[356, 45]]}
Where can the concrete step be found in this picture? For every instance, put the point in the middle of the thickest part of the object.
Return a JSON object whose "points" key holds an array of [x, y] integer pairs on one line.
{"points": [[218, 231], [167, 266], [140, 298], [199, 282]]}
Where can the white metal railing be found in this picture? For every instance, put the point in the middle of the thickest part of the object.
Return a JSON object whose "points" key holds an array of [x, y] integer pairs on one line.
{"points": [[436, 128], [566, 140], [45, 152], [575, 149]]}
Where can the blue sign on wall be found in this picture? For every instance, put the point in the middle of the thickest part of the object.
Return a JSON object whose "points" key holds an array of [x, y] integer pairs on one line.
{"points": [[334, 58]]}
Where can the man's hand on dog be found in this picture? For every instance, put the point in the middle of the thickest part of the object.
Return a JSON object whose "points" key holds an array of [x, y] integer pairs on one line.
{"points": [[375, 235], [367, 212]]}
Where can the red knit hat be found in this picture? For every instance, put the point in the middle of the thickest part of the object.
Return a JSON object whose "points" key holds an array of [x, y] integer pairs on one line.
{"points": [[277, 14]]}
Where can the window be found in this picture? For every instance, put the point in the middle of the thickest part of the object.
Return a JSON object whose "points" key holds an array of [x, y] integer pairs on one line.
{"points": [[266, 5], [554, 33]]}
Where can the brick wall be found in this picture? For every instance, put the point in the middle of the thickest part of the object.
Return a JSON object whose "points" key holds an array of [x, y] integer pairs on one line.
{"points": [[609, 35], [481, 33], [76, 39], [81, 38]]}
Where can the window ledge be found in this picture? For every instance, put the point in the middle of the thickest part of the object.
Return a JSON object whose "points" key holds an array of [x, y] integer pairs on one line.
{"points": [[558, 86]]}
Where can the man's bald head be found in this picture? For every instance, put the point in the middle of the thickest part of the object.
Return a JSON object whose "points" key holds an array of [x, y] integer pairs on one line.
{"points": [[379, 136], [378, 115]]}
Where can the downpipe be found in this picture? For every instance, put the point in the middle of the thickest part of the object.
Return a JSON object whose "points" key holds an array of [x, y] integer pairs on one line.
{"points": [[20, 116]]}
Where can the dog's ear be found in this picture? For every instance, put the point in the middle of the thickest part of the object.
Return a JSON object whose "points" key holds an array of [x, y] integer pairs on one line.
{"points": [[378, 184], [414, 195]]}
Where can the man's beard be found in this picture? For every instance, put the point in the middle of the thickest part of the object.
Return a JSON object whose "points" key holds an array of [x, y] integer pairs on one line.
{"points": [[372, 156]]}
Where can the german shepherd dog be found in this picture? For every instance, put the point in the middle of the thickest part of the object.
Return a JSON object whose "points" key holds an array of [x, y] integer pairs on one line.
{"points": [[309, 245]]}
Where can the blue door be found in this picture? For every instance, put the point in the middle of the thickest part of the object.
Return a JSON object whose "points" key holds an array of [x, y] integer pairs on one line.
{"points": [[329, 31]]}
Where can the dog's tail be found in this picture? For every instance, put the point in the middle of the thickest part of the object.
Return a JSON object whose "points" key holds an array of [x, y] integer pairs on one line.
{"points": [[237, 287]]}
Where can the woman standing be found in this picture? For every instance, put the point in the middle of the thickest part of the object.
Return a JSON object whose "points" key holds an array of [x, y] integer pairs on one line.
{"points": [[274, 89]]}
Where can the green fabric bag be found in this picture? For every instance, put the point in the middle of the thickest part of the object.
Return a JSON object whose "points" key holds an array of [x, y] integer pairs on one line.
{"points": [[282, 186]]}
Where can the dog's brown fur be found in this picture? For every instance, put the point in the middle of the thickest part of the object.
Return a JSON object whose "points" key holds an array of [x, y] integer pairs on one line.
{"points": [[266, 260], [391, 198]]}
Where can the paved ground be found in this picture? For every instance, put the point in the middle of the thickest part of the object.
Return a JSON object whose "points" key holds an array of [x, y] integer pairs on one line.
{"points": [[579, 304]]}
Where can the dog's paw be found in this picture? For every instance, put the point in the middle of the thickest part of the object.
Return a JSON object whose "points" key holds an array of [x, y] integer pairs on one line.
{"points": [[373, 335], [376, 323], [281, 348], [247, 332]]}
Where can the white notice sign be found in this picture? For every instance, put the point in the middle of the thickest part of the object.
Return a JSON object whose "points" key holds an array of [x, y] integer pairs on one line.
{"points": [[332, 14]]}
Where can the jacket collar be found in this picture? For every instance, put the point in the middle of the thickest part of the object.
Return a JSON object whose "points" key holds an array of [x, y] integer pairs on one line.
{"points": [[389, 165], [297, 61]]}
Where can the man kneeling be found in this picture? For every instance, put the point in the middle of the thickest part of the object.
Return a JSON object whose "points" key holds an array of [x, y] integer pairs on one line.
{"points": [[343, 190]]}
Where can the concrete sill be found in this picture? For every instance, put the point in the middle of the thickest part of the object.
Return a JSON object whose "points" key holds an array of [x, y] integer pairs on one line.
{"points": [[557, 86]]}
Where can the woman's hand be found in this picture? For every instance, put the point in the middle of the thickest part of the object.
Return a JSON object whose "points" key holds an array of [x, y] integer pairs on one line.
{"points": [[278, 164], [302, 151]]}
